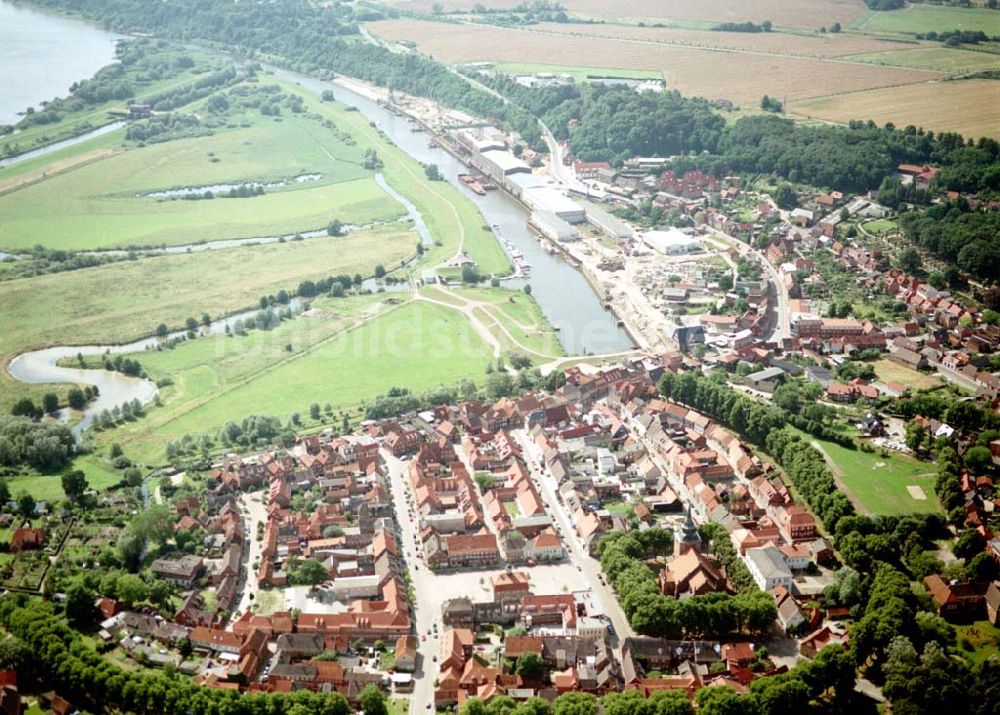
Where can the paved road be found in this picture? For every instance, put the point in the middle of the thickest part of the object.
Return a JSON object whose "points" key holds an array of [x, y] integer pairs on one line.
{"points": [[590, 567], [253, 510], [421, 580], [782, 324]]}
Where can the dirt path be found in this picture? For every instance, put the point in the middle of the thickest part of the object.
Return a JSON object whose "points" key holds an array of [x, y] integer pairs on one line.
{"points": [[53, 169]]}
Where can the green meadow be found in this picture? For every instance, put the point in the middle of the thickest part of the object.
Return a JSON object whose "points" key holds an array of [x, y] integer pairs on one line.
{"points": [[102, 204], [415, 345], [879, 484], [942, 59], [920, 18], [122, 301]]}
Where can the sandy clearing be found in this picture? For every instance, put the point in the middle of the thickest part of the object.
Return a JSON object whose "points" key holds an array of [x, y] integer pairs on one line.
{"points": [[916, 493]]}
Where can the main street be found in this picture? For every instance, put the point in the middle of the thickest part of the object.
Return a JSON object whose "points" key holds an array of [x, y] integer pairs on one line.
{"points": [[421, 581], [590, 567], [254, 512]]}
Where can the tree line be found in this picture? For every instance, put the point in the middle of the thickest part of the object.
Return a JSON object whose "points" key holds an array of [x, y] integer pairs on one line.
{"points": [[310, 37], [958, 234], [56, 657], [623, 559]]}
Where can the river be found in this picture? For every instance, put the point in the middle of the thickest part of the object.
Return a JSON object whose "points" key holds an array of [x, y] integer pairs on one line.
{"points": [[42, 54], [74, 49], [563, 294]]}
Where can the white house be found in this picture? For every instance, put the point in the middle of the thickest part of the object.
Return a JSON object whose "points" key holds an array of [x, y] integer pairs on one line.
{"points": [[768, 568]]}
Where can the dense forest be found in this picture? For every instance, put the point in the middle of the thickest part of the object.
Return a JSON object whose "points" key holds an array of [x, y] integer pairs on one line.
{"points": [[959, 235], [615, 123]]}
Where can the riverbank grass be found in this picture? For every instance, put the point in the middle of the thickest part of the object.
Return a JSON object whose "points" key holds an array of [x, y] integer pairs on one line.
{"points": [[103, 204], [413, 345], [452, 218], [120, 302]]}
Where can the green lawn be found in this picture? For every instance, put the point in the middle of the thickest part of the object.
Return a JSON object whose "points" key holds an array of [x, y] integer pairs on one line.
{"points": [[123, 301], [890, 371], [520, 315], [984, 638], [100, 476], [580, 74], [96, 205], [879, 483], [880, 225], [416, 345], [943, 59], [921, 18], [622, 508], [399, 706]]}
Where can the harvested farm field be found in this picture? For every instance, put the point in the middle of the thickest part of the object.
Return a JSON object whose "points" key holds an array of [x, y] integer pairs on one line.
{"points": [[818, 45], [968, 107], [783, 13], [739, 77]]}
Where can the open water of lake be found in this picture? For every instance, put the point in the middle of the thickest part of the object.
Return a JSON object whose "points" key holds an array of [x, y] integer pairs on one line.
{"points": [[41, 55]]}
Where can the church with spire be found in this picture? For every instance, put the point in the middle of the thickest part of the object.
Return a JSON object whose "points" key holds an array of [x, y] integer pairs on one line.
{"points": [[690, 572], [687, 537]]}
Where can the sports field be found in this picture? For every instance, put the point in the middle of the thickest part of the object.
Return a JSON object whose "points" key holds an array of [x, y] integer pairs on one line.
{"points": [[919, 18], [964, 106], [415, 345], [122, 301], [881, 485], [742, 77]]}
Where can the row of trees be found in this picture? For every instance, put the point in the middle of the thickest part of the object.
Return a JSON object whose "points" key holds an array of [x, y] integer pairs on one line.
{"points": [[826, 681], [56, 657], [651, 613], [762, 425], [957, 234]]}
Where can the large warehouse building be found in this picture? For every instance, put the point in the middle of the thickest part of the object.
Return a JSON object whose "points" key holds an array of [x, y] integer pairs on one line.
{"points": [[545, 198], [672, 243]]}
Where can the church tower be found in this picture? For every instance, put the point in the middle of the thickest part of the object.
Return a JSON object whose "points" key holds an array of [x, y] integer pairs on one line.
{"points": [[688, 538]]}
